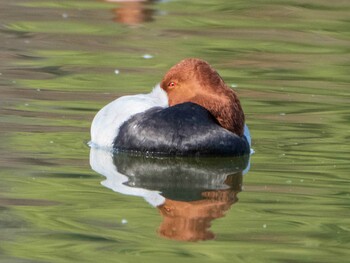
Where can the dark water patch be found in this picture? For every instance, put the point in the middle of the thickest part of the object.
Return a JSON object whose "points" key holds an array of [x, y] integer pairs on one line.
{"points": [[26, 202], [35, 161], [70, 175], [80, 237]]}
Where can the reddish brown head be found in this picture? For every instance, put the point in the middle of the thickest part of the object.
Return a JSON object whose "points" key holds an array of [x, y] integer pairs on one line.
{"points": [[194, 80]]}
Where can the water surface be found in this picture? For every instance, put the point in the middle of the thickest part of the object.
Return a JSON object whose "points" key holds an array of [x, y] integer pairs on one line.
{"points": [[63, 60]]}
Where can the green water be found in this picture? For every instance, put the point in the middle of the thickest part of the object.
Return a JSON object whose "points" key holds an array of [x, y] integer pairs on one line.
{"points": [[288, 60]]}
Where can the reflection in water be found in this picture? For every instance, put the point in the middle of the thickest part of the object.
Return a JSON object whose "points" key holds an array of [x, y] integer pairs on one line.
{"points": [[188, 192], [132, 12], [190, 221]]}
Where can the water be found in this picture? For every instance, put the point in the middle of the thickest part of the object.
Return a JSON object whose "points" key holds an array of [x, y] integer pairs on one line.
{"points": [[61, 61]]}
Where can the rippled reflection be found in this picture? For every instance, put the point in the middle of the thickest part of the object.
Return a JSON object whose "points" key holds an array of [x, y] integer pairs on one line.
{"points": [[132, 12], [188, 192]]}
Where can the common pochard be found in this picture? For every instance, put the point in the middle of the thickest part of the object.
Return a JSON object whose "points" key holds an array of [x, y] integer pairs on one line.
{"points": [[191, 112]]}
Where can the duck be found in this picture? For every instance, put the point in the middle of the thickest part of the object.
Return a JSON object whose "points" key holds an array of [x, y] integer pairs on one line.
{"points": [[191, 112]]}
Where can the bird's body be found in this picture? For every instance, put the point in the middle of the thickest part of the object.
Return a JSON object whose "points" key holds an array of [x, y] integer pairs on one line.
{"points": [[192, 112]]}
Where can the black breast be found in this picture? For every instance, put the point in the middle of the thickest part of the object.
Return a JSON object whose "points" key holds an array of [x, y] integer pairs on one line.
{"points": [[183, 129]]}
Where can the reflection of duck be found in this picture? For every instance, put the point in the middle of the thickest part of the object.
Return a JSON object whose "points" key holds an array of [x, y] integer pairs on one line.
{"points": [[181, 179], [190, 221], [189, 192], [132, 12], [204, 118]]}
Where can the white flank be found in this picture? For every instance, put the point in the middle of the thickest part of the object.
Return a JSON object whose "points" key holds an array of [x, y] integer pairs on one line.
{"points": [[106, 124]]}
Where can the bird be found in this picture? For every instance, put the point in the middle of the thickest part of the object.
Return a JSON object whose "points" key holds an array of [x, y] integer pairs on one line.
{"points": [[191, 112]]}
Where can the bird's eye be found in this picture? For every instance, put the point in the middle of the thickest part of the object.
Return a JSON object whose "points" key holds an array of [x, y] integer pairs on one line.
{"points": [[172, 84]]}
